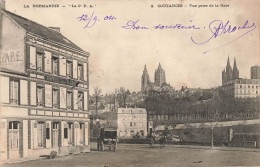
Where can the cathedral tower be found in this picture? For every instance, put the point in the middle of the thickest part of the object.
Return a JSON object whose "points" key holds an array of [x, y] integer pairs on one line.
{"points": [[159, 76], [228, 73], [145, 80], [235, 70]]}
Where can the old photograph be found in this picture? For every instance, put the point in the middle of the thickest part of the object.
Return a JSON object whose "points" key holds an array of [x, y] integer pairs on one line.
{"points": [[127, 83]]}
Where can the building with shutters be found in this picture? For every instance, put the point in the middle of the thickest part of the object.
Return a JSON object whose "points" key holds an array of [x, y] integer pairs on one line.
{"points": [[44, 91], [131, 121]]}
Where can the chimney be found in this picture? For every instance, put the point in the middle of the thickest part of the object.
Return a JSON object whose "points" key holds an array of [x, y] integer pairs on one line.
{"points": [[2, 4], [55, 28]]}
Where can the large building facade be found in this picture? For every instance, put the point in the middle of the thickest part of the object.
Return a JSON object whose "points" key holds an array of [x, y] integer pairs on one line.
{"points": [[131, 121], [44, 91], [159, 79], [242, 88]]}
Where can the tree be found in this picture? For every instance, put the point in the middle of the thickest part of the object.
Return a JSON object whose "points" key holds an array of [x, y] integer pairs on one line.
{"points": [[97, 93]]}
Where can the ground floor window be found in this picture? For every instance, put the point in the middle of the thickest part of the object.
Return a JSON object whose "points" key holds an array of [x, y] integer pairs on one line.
{"points": [[142, 132], [70, 134], [132, 132], [55, 138], [81, 133], [13, 135]]}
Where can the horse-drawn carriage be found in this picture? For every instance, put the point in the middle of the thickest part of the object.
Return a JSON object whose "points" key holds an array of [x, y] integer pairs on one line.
{"points": [[107, 138], [157, 139]]}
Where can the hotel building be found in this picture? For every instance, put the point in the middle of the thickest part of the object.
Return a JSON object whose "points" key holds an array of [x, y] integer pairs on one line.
{"points": [[44, 87], [131, 121]]}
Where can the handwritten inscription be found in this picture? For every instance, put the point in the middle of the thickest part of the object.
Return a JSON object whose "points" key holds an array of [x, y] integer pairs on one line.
{"points": [[133, 25], [218, 28], [89, 19]]}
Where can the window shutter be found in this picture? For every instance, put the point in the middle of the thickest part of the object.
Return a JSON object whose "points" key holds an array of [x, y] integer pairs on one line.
{"points": [[85, 73], [85, 100], [33, 93], [62, 63], [34, 134], [32, 57], [48, 95], [4, 89], [47, 61], [24, 92], [75, 69], [75, 99], [63, 94]]}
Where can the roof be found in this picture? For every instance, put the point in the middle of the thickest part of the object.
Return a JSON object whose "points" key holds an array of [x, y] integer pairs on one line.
{"points": [[131, 111], [243, 81], [40, 30]]}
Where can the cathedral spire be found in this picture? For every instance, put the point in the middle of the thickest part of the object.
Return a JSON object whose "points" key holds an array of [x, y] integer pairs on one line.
{"points": [[235, 64], [235, 70], [228, 63]]}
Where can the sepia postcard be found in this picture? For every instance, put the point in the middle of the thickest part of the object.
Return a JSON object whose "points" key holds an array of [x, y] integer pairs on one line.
{"points": [[118, 83]]}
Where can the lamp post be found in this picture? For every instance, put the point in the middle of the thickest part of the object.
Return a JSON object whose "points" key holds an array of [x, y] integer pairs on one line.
{"points": [[212, 137]]}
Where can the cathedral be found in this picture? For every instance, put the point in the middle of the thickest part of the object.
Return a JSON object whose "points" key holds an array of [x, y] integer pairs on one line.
{"points": [[228, 73], [159, 79]]}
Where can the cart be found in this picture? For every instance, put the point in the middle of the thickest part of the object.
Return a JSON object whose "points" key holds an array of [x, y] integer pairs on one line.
{"points": [[157, 140], [107, 138]]}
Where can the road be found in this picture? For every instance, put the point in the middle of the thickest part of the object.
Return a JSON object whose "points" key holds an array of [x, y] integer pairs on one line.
{"points": [[141, 155]]}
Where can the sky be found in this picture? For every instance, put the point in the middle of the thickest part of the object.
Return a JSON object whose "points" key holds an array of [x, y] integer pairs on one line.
{"points": [[118, 55]]}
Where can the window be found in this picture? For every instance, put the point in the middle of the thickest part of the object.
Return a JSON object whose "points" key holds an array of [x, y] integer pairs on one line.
{"points": [[14, 92], [65, 133], [81, 134], [39, 95], [55, 65], [80, 101], [80, 71], [253, 87], [69, 69], [70, 134], [69, 100], [55, 98], [39, 61], [131, 124], [55, 127], [248, 86], [47, 132], [240, 86], [13, 135], [40, 134]]}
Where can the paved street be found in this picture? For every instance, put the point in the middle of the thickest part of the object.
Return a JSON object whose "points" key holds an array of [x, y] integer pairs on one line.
{"points": [[141, 155]]}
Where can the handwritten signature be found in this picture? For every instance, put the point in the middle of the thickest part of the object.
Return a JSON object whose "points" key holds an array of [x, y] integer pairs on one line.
{"points": [[89, 19], [218, 28]]}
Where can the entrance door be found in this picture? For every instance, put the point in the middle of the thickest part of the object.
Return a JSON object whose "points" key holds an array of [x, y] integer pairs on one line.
{"points": [[14, 140], [55, 138]]}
